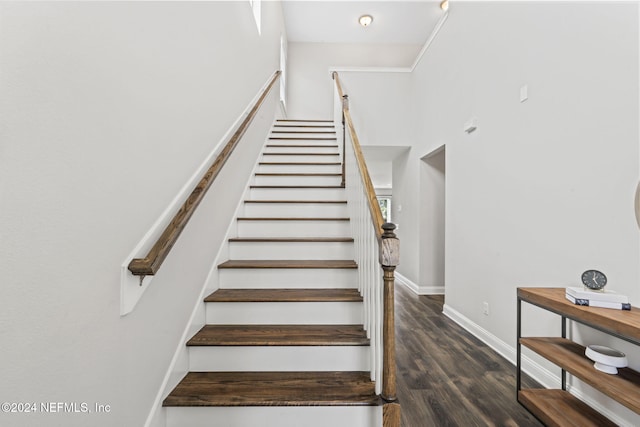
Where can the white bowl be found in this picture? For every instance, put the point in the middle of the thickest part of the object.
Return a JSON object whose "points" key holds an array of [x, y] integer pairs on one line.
{"points": [[606, 359]]}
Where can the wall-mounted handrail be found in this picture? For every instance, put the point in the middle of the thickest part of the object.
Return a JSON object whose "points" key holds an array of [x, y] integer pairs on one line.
{"points": [[150, 264], [376, 236]]}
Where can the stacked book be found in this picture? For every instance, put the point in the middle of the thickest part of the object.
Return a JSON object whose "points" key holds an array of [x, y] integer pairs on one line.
{"points": [[603, 299]]}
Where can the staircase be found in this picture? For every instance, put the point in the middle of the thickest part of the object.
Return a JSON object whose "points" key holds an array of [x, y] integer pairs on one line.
{"points": [[283, 343]]}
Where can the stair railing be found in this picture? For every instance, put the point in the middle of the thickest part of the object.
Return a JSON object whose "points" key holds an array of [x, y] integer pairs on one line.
{"points": [[377, 254], [149, 265]]}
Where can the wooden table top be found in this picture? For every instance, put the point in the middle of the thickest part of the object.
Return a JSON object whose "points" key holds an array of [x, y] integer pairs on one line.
{"points": [[623, 323]]}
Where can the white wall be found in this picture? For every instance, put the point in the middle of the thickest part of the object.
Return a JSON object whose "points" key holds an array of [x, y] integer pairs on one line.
{"points": [[562, 202], [382, 107], [106, 110], [538, 192], [310, 85], [543, 190]]}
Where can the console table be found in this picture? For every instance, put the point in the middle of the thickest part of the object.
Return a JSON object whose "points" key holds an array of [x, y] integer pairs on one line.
{"points": [[559, 407]]}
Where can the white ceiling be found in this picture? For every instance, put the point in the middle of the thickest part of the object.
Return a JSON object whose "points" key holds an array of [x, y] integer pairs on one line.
{"points": [[394, 21]]}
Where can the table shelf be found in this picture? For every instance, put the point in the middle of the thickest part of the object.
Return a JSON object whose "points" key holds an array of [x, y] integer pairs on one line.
{"points": [[624, 387], [559, 407]]}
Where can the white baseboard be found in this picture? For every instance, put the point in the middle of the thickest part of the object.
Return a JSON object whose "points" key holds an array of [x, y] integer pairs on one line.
{"points": [[419, 290], [545, 377], [536, 371]]}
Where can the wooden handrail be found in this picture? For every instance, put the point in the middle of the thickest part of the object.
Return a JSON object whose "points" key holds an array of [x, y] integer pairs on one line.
{"points": [[389, 258], [374, 206], [150, 264]]}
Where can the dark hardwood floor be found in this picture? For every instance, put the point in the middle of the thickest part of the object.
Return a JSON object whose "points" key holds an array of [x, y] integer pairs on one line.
{"points": [[447, 377]]}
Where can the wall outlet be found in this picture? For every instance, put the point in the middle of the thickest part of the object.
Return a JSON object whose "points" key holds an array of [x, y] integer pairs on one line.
{"points": [[485, 308]]}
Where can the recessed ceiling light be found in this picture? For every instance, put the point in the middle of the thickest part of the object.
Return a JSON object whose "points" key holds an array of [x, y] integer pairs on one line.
{"points": [[365, 20], [444, 5]]}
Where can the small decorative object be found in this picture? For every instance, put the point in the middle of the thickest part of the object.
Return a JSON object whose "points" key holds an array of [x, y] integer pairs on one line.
{"points": [[594, 280], [606, 359]]}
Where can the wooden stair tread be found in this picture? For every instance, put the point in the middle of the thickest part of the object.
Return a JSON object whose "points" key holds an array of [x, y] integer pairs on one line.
{"points": [[300, 154], [292, 239], [297, 186], [274, 389], [297, 174], [302, 138], [280, 335], [304, 126], [299, 164], [288, 264], [290, 219], [302, 145], [296, 201], [302, 131], [285, 295], [302, 120]]}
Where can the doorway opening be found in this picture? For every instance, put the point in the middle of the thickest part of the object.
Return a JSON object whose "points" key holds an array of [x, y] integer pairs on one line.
{"points": [[432, 221]]}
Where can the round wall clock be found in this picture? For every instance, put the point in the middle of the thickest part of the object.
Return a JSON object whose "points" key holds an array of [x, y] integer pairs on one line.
{"points": [[594, 279]]}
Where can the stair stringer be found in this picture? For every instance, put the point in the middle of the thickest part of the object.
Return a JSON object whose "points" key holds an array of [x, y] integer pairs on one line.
{"points": [[179, 365]]}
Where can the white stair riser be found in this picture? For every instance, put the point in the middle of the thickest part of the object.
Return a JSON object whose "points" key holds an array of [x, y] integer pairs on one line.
{"points": [[296, 210], [266, 278], [279, 358], [310, 158], [297, 180], [308, 143], [284, 313], [273, 147], [297, 194], [275, 416], [291, 228], [305, 168], [291, 250]]}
